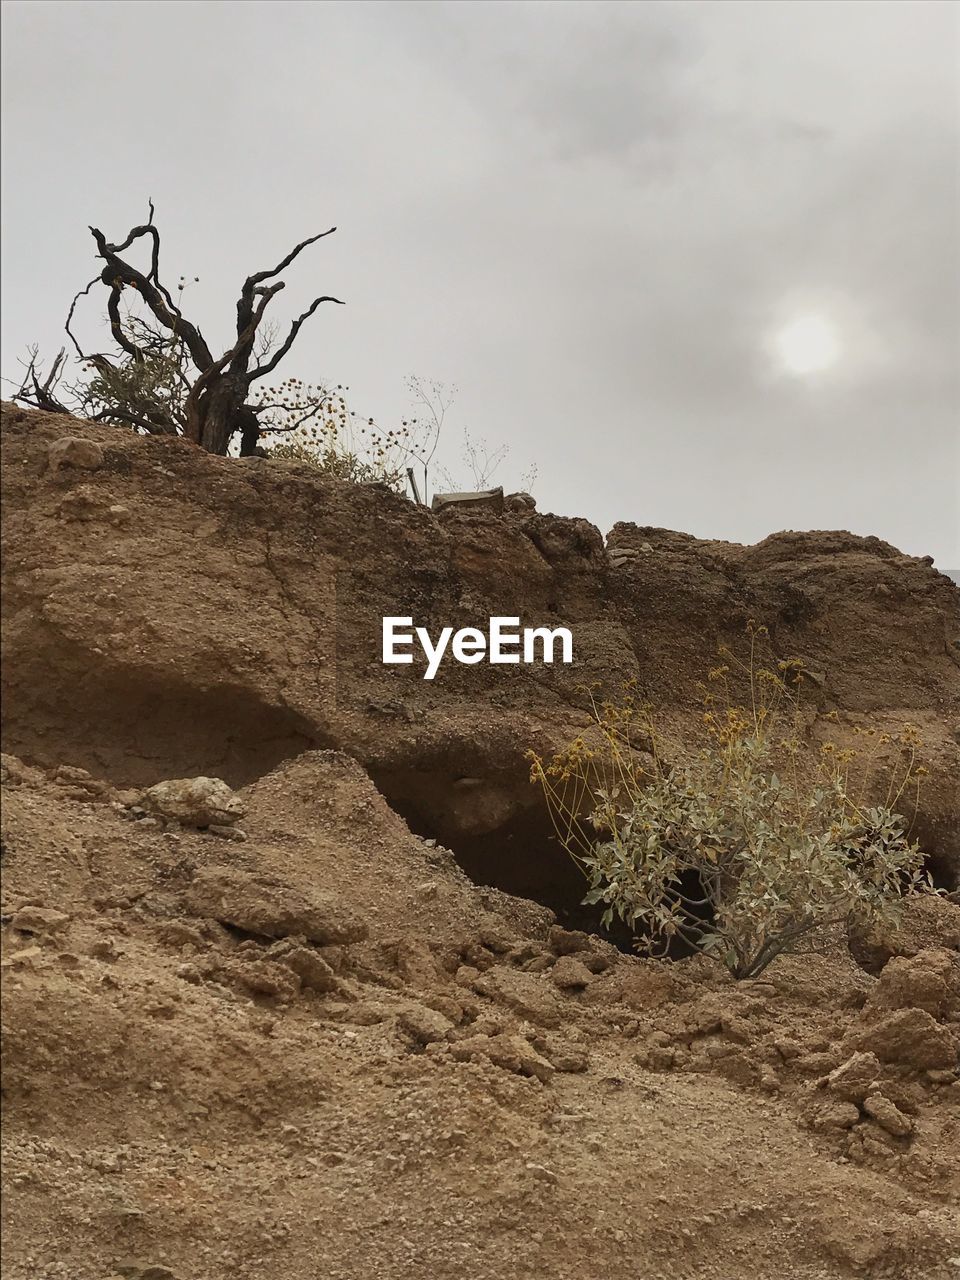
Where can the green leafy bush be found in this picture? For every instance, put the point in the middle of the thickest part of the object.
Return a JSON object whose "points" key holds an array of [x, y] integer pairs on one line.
{"points": [[748, 847]]}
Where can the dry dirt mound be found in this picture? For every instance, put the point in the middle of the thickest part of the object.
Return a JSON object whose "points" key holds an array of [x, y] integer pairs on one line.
{"points": [[324, 1051], [304, 1041]]}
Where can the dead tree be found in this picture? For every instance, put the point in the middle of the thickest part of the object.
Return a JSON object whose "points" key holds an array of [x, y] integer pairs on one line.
{"points": [[216, 405], [41, 394]]}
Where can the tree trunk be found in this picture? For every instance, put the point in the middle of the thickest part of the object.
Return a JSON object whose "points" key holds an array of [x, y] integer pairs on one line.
{"points": [[249, 432], [222, 413]]}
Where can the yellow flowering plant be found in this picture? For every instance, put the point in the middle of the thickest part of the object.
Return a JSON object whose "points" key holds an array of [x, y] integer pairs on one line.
{"points": [[306, 423], [752, 845]]}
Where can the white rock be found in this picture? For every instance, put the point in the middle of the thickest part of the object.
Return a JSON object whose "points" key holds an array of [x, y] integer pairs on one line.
{"points": [[74, 451], [196, 802]]}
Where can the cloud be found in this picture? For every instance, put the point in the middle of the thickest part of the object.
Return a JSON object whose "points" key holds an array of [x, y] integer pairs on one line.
{"points": [[590, 217]]}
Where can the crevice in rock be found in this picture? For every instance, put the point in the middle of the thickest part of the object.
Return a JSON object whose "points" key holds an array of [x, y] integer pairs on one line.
{"points": [[521, 855], [941, 866], [135, 728]]}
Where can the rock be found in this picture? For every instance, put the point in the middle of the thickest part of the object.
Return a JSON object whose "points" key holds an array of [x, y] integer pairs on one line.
{"points": [[196, 802], [79, 783], [133, 1270], [262, 977], [84, 502], [512, 1053], [86, 795], [826, 1112], [482, 500], [769, 1080], [570, 975], [941, 1076], [312, 970], [267, 907], [227, 833], [816, 1064], [738, 1067], [870, 1140], [855, 1078], [418, 965], [39, 920], [524, 952], [14, 772], [568, 1060], [888, 1115], [71, 773], [910, 1037], [564, 942], [787, 1047], [494, 937], [103, 949], [619, 556], [74, 451], [705, 1016], [520, 503], [924, 981], [26, 957], [453, 1009], [737, 1029], [525, 993], [423, 1025]]}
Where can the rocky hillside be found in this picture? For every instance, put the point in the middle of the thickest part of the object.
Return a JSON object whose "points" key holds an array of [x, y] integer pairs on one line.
{"points": [[170, 613], [347, 1029]]}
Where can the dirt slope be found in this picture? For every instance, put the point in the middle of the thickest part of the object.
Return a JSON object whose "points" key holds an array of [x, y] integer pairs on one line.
{"points": [[178, 1094], [324, 1050]]}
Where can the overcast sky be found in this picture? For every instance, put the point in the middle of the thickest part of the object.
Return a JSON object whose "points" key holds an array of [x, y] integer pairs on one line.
{"points": [[601, 222]]}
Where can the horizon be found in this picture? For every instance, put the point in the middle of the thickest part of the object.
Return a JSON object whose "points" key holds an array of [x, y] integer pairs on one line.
{"points": [[698, 263]]}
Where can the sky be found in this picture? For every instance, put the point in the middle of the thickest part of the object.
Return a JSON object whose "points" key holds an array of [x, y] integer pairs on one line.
{"points": [[697, 262]]}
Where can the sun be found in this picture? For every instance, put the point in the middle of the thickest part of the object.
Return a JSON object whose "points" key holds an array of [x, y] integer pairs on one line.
{"points": [[807, 345]]}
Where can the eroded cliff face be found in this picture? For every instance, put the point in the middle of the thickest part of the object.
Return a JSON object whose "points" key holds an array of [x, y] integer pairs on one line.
{"points": [[168, 612], [314, 1045]]}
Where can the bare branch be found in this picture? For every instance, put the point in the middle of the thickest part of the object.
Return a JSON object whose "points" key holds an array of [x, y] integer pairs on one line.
{"points": [[73, 304], [40, 394], [118, 273], [251, 287], [260, 276], [116, 328], [278, 355], [159, 428]]}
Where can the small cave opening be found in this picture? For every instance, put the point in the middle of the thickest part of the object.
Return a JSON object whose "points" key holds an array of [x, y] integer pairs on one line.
{"points": [[943, 868], [521, 856], [940, 845]]}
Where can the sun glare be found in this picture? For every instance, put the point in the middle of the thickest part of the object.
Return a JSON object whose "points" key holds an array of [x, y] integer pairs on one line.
{"points": [[807, 345]]}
